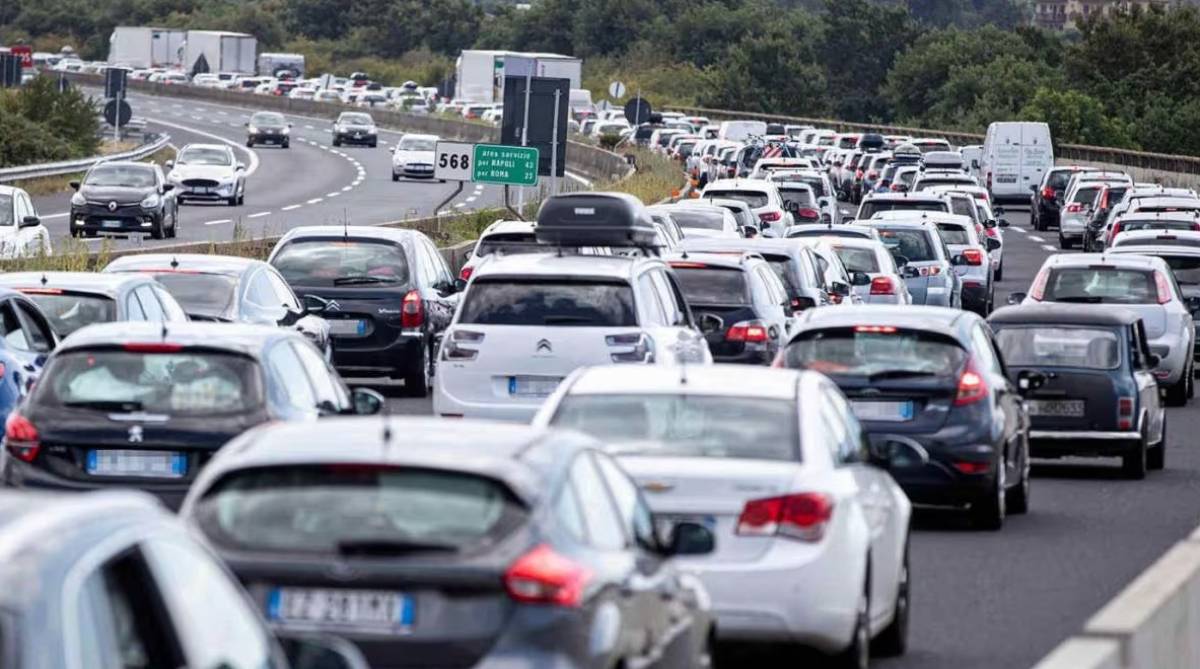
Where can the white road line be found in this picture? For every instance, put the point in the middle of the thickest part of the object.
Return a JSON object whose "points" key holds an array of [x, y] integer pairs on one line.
{"points": [[333, 194], [250, 169], [58, 215], [223, 220], [309, 127], [259, 214], [291, 207], [471, 199], [1036, 239], [314, 200], [346, 188], [459, 204], [1049, 248]]}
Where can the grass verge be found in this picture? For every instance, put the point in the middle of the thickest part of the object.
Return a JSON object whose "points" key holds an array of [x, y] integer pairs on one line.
{"points": [[61, 183]]}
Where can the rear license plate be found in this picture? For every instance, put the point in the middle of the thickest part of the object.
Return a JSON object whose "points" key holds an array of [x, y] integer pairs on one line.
{"points": [[348, 327], [155, 464], [1055, 408], [374, 609], [887, 411], [1006, 179], [532, 386], [110, 223]]}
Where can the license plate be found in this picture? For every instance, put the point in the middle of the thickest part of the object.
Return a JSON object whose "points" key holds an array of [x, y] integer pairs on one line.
{"points": [[348, 327], [1006, 179], [156, 464], [375, 609], [532, 386], [1055, 408], [890, 411], [110, 224], [201, 190]]}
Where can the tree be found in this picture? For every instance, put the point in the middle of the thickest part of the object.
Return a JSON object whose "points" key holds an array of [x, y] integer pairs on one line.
{"points": [[774, 73], [1075, 118], [862, 39]]}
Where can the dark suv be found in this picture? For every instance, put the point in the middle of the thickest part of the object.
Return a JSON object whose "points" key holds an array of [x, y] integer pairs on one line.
{"points": [[124, 197], [1048, 195]]}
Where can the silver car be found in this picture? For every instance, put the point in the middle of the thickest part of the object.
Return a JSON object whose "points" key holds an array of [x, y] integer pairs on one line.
{"points": [[1077, 209], [872, 257], [968, 252], [1140, 283], [921, 246]]}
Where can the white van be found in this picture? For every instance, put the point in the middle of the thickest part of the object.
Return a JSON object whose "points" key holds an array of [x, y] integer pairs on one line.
{"points": [[1015, 156], [740, 131]]}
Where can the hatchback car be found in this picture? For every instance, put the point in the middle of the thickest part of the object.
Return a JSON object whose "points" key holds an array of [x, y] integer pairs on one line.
{"points": [[388, 296], [922, 248], [968, 253], [1048, 196], [124, 197], [468, 545], [776, 465], [796, 265], [762, 196], [821, 187], [208, 173], [413, 157], [268, 128], [1159, 221], [877, 202], [72, 300], [929, 377], [1079, 204], [872, 258], [355, 128], [1091, 387]]}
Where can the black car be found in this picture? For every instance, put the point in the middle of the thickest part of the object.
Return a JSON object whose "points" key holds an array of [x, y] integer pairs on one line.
{"points": [[146, 405], [268, 128], [929, 377], [794, 263], [1047, 199], [1092, 390], [136, 570], [470, 544], [1110, 196], [390, 296], [355, 128], [72, 300], [231, 289], [124, 197]]}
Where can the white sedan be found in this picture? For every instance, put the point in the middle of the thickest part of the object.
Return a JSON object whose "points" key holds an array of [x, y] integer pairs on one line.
{"points": [[812, 532], [413, 157], [21, 231], [209, 173]]}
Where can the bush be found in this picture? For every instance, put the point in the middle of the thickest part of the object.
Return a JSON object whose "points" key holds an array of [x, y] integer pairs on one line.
{"points": [[44, 124], [24, 142], [609, 141]]}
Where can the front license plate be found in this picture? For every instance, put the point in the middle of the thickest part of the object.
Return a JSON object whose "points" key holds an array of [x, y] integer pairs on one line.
{"points": [[1055, 408], [371, 609], [155, 464], [352, 327], [532, 386], [889, 411], [110, 223]]}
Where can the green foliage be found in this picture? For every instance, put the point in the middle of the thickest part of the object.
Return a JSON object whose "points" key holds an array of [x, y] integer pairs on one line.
{"points": [[1076, 118], [41, 124]]}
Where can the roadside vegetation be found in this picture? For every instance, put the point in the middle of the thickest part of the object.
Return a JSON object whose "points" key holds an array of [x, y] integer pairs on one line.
{"points": [[41, 124]]}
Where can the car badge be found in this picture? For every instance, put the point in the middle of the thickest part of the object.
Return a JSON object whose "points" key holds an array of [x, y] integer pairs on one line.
{"points": [[544, 346], [112, 206], [342, 571], [333, 306], [658, 486], [135, 434]]}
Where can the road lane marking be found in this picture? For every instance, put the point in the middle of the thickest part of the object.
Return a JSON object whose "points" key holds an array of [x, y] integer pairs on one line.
{"points": [[259, 214], [459, 204], [333, 194], [314, 200], [471, 199], [291, 207], [58, 215], [1048, 247], [346, 188], [1036, 239], [218, 222], [222, 113], [309, 127], [250, 169]]}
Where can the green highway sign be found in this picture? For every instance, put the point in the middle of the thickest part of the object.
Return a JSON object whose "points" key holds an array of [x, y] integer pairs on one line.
{"points": [[499, 164]]}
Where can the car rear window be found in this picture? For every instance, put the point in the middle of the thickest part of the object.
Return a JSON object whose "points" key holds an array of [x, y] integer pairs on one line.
{"points": [[510, 242], [184, 383], [858, 259], [69, 311], [753, 199], [954, 234], [1083, 195], [720, 426], [1185, 268], [1154, 224], [549, 303], [1101, 285], [328, 262], [781, 265], [357, 509], [872, 207], [1059, 178], [204, 296], [802, 197], [1165, 239], [963, 207], [1049, 346], [692, 218], [876, 352], [712, 285], [912, 244]]}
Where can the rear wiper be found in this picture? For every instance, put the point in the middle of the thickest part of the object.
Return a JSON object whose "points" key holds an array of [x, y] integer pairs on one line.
{"points": [[361, 278], [127, 406], [898, 374], [390, 547]]}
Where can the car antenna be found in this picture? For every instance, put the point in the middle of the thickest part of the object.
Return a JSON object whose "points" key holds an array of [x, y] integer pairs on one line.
{"points": [[683, 374], [164, 330], [174, 262], [44, 279], [387, 426]]}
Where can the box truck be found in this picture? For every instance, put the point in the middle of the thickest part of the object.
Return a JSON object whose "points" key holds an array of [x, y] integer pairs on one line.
{"points": [[480, 74], [219, 51], [143, 47], [272, 64]]}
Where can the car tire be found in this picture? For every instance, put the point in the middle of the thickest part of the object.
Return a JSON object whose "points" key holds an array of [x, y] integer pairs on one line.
{"points": [[999, 276], [1062, 241], [893, 640], [416, 382], [286, 145], [1133, 465], [1036, 221], [1156, 456], [1017, 497], [157, 228], [337, 142], [249, 144], [170, 232], [1177, 393], [395, 177], [989, 511], [858, 655]]}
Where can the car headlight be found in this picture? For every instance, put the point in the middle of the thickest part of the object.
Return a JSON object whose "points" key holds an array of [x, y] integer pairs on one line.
{"points": [[253, 130], [173, 176], [78, 200], [370, 130], [287, 131], [151, 201]]}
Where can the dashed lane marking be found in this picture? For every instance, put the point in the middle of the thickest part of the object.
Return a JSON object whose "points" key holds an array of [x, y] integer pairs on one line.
{"points": [[1036, 239], [218, 222], [314, 200], [259, 214], [290, 207], [1048, 247]]}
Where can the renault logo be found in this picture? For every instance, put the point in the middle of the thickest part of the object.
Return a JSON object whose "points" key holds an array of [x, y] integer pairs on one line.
{"points": [[135, 434], [112, 206], [544, 346]]}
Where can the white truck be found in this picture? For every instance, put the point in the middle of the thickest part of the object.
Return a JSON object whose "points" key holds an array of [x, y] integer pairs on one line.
{"points": [[142, 47], [480, 74], [220, 51], [272, 64]]}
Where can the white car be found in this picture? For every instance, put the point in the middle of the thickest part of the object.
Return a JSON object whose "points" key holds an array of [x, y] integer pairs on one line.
{"points": [[812, 531], [509, 237], [207, 173], [413, 157], [21, 231], [762, 196], [700, 219]]}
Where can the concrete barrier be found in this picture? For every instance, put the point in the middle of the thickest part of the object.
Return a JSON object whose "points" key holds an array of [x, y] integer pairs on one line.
{"points": [[1084, 654]]}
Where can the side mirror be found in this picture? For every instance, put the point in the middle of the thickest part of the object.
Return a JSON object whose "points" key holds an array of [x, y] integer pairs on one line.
{"points": [[1153, 360], [366, 402], [893, 451], [824, 201], [993, 244], [860, 279], [169, 164], [1033, 188], [1029, 381], [974, 164], [1193, 304], [30, 222], [792, 206], [710, 323], [315, 305], [320, 652], [910, 272], [240, 166], [460, 285], [73, 184], [840, 289], [690, 539], [168, 188], [998, 211], [1016, 298], [799, 304], [957, 260]]}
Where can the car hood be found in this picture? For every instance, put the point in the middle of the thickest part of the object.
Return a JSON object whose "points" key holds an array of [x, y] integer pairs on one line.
{"points": [[217, 172], [413, 157], [118, 194]]}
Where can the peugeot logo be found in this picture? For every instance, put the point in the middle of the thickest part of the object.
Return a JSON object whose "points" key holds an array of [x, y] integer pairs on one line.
{"points": [[112, 206], [333, 306], [135, 434], [544, 346]]}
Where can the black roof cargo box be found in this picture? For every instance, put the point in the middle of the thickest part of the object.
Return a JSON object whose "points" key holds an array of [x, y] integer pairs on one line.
{"points": [[595, 219]]}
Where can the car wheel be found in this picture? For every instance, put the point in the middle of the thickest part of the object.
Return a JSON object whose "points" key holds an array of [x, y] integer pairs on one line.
{"points": [[1018, 496], [1000, 271], [893, 640], [1156, 457], [337, 142], [989, 511], [416, 382], [1062, 241], [374, 144], [858, 655], [1177, 393], [395, 177], [249, 144], [1037, 221], [156, 228], [286, 145], [1134, 464]]}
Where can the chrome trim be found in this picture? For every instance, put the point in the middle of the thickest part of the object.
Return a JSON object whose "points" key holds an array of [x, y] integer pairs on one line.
{"points": [[1095, 435]]}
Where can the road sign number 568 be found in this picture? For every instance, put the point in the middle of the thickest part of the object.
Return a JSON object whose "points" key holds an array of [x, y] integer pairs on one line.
{"points": [[453, 161]]}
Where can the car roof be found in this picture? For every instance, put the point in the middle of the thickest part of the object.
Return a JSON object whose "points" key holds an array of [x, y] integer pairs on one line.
{"points": [[554, 265], [1169, 200], [728, 203], [9, 190], [717, 379], [233, 337], [764, 245], [84, 282], [858, 243], [921, 217], [895, 225], [203, 145], [1087, 259], [1065, 314], [502, 227], [1173, 216], [859, 230], [414, 135], [904, 197], [942, 320], [740, 184], [737, 261], [377, 232], [183, 262]]}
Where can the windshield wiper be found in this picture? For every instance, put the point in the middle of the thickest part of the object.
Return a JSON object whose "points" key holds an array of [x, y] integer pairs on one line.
{"points": [[899, 374], [361, 278], [127, 406], [390, 547]]}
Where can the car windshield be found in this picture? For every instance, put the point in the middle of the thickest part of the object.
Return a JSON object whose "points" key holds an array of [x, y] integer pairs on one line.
{"points": [[858, 259], [356, 119], [185, 383], [195, 155], [202, 296], [511, 242], [353, 509], [267, 119], [1101, 285], [954, 234], [754, 199], [126, 176], [873, 351], [872, 207], [712, 285], [718, 426], [6, 209], [327, 262], [693, 218], [1061, 346], [549, 303], [912, 244], [67, 312]]}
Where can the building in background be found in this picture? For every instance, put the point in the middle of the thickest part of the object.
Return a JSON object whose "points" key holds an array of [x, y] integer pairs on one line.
{"points": [[1068, 14]]}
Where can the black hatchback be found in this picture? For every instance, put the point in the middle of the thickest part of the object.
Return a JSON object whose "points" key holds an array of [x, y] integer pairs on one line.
{"points": [[389, 295]]}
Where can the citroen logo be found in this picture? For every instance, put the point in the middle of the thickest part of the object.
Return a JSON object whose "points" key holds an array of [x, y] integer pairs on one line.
{"points": [[333, 306], [135, 434], [112, 206], [544, 346]]}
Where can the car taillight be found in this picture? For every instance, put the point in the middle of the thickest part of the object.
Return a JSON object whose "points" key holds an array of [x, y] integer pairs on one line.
{"points": [[1125, 413], [21, 437], [802, 516], [933, 270], [1112, 232], [808, 213], [1037, 290], [872, 174], [770, 216], [971, 386], [1074, 208], [1047, 193], [152, 347], [974, 257], [992, 232], [751, 332], [542, 576], [453, 348], [1163, 287], [883, 285], [466, 272], [412, 310], [967, 467]]}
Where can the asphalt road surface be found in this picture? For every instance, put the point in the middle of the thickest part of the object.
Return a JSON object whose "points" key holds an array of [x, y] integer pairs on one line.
{"points": [[1002, 600]]}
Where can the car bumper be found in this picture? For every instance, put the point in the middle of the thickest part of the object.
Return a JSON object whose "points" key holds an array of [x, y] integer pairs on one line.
{"points": [[1060, 443], [939, 297], [446, 404], [1049, 216], [223, 192], [395, 359], [352, 138], [974, 295], [412, 172], [101, 220], [268, 138], [937, 483], [1174, 360], [19, 474], [760, 357], [1072, 227]]}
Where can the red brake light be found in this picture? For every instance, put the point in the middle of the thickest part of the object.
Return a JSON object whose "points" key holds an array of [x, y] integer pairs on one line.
{"points": [[1112, 232], [21, 437], [412, 310], [771, 216], [1163, 287], [883, 285], [971, 386], [1047, 193], [972, 467], [802, 516], [751, 333], [466, 272], [41, 291], [1125, 413], [858, 174], [1037, 290], [973, 257], [152, 347], [808, 213], [875, 329], [542, 576], [1074, 208]]}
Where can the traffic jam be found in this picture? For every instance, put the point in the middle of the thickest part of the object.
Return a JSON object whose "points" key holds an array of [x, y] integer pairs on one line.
{"points": [[658, 431]]}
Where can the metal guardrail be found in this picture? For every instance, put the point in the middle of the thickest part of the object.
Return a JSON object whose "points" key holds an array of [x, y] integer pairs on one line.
{"points": [[10, 174]]}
